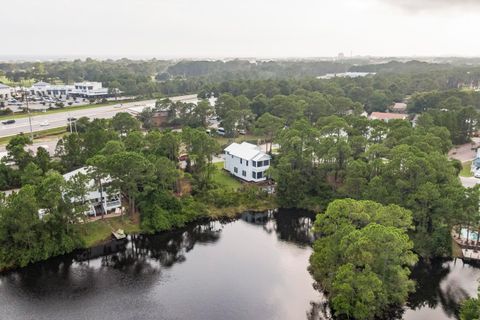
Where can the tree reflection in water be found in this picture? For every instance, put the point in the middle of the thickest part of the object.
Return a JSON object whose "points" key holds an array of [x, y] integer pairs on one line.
{"points": [[289, 225]]}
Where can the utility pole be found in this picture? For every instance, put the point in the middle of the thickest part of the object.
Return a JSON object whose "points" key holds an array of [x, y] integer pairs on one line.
{"points": [[29, 116]]}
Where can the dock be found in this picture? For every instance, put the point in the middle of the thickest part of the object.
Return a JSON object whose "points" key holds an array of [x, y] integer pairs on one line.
{"points": [[119, 234]]}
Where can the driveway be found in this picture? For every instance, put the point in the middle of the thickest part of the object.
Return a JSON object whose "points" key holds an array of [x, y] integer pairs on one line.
{"points": [[469, 182], [465, 152]]}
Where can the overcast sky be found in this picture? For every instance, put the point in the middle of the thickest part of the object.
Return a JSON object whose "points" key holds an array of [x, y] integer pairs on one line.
{"points": [[239, 28]]}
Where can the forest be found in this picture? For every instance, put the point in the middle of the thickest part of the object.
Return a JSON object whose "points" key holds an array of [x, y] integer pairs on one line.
{"points": [[389, 186]]}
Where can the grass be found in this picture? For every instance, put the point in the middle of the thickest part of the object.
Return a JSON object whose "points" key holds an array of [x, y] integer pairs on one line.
{"points": [[60, 131], [466, 172], [223, 179], [98, 231]]}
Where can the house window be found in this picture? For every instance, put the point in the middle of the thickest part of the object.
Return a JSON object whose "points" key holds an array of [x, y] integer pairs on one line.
{"points": [[254, 163], [259, 175], [241, 161], [244, 173], [235, 169], [246, 163], [254, 175], [266, 162]]}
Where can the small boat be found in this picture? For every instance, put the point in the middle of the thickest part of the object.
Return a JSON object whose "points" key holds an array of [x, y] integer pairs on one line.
{"points": [[119, 234]]}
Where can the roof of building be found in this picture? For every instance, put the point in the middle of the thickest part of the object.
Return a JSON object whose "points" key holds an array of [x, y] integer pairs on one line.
{"points": [[41, 84], [246, 151], [399, 106], [4, 86], [387, 115]]}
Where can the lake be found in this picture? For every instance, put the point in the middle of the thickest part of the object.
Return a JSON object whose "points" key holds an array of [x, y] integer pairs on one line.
{"points": [[254, 267]]}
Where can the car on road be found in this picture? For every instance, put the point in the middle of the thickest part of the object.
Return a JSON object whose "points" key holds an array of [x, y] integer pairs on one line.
{"points": [[8, 121], [44, 124]]}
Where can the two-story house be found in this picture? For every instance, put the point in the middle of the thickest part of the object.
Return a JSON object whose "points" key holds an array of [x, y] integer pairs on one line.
{"points": [[246, 161]]}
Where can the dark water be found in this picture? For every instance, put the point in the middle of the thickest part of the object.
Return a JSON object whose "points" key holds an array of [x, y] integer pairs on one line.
{"points": [[251, 268]]}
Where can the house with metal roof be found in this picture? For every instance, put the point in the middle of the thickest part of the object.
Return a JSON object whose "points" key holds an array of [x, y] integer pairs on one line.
{"points": [[246, 161]]}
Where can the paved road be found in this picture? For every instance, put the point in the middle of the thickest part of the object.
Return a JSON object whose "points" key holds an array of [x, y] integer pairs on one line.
{"points": [[56, 120], [59, 119]]}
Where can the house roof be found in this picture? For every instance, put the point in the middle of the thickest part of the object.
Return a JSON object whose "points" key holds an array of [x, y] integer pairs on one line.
{"points": [[41, 84], [399, 106], [387, 115], [246, 151], [83, 170]]}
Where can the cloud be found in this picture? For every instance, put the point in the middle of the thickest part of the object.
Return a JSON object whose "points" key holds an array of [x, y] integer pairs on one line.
{"points": [[428, 5]]}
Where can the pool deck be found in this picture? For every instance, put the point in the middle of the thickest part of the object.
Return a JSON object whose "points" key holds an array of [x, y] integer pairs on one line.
{"points": [[470, 248]]}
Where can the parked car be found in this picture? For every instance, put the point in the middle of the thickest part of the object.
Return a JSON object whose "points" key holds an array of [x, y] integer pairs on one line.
{"points": [[8, 121], [477, 174], [221, 131], [242, 131], [44, 124]]}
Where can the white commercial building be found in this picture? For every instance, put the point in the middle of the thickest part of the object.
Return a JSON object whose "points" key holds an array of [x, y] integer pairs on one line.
{"points": [[79, 89], [246, 161], [89, 90], [5, 92], [98, 198]]}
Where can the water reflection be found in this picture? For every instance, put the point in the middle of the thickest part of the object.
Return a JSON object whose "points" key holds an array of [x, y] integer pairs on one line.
{"points": [[250, 268], [289, 225]]}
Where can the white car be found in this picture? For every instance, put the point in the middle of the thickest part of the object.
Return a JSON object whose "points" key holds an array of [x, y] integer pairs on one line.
{"points": [[44, 124], [476, 173]]}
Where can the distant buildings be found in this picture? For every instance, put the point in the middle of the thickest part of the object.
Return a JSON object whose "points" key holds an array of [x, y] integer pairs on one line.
{"points": [[246, 161], [345, 75], [5, 92], [387, 116], [79, 89]]}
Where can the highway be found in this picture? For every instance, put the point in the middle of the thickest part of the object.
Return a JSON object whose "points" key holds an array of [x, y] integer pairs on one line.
{"points": [[59, 119]]}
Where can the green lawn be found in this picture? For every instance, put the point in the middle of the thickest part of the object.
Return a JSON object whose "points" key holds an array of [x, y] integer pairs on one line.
{"points": [[223, 179], [466, 169], [101, 230], [60, 131]]}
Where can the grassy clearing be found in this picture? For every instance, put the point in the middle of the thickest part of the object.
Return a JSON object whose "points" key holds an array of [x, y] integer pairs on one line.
{"points": [[53, 132], [466, 169], [98, 231], [223, 179]]}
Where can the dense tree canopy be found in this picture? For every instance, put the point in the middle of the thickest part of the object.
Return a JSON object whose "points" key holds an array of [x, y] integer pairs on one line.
{"points": [[362, 255]]}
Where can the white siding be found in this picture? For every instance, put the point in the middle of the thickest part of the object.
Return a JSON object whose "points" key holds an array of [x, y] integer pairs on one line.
{"points": [[244, 166]]}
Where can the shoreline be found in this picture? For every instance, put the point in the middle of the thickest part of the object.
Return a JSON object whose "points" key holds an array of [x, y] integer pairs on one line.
{"points": [[213, 214]]}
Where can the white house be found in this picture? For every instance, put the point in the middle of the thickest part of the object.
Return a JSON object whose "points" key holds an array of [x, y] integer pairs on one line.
{"points": [[98, 198], [246, 161], [5, 91]]}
